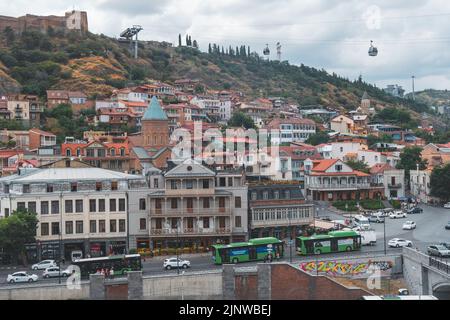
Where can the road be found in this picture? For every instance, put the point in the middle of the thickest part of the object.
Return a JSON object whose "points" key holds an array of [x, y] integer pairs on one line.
{"points": [[430, 230]]}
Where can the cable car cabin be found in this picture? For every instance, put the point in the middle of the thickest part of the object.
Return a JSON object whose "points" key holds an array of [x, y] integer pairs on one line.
{"points": [[373, 51], [266, 51]]}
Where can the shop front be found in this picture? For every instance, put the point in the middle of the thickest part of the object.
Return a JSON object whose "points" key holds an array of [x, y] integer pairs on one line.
{"points": [[117, 247], [143, 246], [97, 249], [73, 246]]}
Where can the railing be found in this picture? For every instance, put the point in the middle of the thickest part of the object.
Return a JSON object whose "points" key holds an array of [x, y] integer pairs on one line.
{"points": [[339, 186], [193, 211], [188, 192], [190, 231], [281, 222], [395, 185], [440, 265]]}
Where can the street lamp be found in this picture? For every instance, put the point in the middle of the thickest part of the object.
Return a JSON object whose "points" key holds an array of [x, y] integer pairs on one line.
{"points": [[178, 243], [384, 233]]}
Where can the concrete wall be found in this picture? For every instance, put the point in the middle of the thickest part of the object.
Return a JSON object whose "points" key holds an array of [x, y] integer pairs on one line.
{"points": [[204, 286], [44, 292]]}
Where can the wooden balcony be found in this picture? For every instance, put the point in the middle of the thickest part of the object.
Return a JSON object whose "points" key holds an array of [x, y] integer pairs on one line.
{"points": [[221, 211], [190, 232]]}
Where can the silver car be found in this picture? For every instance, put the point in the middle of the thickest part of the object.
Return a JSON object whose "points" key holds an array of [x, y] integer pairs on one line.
{"points": [[438, 250], [53, 272]]}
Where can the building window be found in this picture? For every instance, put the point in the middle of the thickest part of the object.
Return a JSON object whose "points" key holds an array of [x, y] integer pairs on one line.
{"points": [[101, 226], [44, 229], [205, 184], [121, 205], [155, 182], [79, 226], [113, 185], [174, 223], [237, 222], [112, 225], [98, 186], [55, 207], [68, 153], [73, 187], [122, 152], [32, 207], [101, 205], [69, 227], [141, 204], [112, 205], [173, 184], [206, 203], [121, 225], [93, 226], [230, 182], [55, 228], [92, 205], [68, 204], [265, 195], [254, 196], [206, 223], [237, 202], [26, 188], [222, 182], [44, 207], [113, 152], [78, 206], [49, 188], [143, 224], [189, 184], [21, 206], [173, 203]]}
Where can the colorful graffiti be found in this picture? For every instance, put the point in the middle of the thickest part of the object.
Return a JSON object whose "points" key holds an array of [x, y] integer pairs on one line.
{"points": [[345, 268]]}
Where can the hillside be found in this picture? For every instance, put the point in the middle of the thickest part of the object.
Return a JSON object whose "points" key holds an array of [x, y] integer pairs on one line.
{"points": [[432, 97], [98, 64]]}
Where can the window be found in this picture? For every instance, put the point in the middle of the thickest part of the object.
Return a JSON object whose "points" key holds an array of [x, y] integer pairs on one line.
{"points": [[21, 206], [69, 227], [93, 226], [205, 184], [122, 152], [174, 223], [155, 182], [338, 167], [55, 207], [221, 202], [230, 182], [237, 202], [122, 225], [143, 224], [26, 188], [55, 228], [68, 153], [189, 184], [206, 223], [173, 203], [206, 203], [79, 226], [92, 205], [101, 226], [141, 204], [121, 204], [32, 206], [101, 152], [113, 185], [158, 204], [112, 225], [158, 224], [44, 229], [49, 188], [44, 207], [68, 205], [73, 187], [237, 222], [113, 152], [173, 184], [78, 206], [254, 196], [101, 205], [98, 186], [222, 182], [112, 205]]}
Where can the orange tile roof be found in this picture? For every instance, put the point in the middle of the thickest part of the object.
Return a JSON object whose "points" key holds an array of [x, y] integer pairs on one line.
{"points": [[323, 165]]}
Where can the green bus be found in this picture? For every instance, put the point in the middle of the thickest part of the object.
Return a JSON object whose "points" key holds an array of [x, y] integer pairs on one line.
{"points": [[120, 263], [253, 250], [334, 241]]}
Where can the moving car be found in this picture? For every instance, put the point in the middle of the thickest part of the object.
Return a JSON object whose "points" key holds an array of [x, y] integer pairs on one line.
{"points": [[368, 237], [53, 272], [447, 226], [176, 263], [21, 276], [44, 265], [438, 250], [409, 225], [376, 218], [398, 242], [397, 214], [447, 205], [415, 210]]}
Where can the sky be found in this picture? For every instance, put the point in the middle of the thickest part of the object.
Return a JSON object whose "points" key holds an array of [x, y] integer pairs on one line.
{"points": [[411, 35]]}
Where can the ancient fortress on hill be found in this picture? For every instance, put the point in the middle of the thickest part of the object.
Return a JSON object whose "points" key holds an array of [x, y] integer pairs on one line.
{"points": [[72, 20]]}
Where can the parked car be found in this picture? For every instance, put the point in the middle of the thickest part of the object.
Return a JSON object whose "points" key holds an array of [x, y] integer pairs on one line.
{"points": [[415, 210], [44, 265], [53, 272], [173, 263], [447, 245], [376, 218], [447, 226], [447, 205], [21, 276], [397, 214], [385, 212], [409, 225], [397, 243], [438, 250]]}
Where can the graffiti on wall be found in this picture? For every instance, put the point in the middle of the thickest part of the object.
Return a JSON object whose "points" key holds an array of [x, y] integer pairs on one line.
{"points": [[354, 268]]}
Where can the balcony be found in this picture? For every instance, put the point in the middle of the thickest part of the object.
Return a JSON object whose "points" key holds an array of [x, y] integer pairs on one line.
{"points": [[225, 211], [395, 186], [190, 232], [190, 192], [337, 186], [281, 222]]}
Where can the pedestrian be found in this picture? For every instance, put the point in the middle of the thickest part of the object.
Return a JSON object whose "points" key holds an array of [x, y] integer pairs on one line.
{"points": [[111, 273], [277, 256]]}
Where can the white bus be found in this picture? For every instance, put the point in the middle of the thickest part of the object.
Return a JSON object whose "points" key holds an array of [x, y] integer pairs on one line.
{"points": [[361, 222]]}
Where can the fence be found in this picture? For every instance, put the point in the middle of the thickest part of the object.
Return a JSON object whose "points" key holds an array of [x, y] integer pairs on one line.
{"points": [[439, 264]]}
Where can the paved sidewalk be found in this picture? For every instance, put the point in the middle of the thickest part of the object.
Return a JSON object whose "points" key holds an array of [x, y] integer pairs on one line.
{"points": [[182, 255]]}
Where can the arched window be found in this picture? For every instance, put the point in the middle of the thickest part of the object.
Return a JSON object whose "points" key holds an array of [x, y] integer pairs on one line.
{"points": [[112, 151], [68, 152], [122, 151], [78, 152]]}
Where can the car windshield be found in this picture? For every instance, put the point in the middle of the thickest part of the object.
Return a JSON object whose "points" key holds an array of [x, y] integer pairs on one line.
{"points": [[441, 248]]}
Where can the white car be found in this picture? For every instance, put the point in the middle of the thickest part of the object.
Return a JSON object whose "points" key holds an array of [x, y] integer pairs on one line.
{"points": [[397, 214], [447, 205], [173, 263], [409, 225], [44, 265], [397, 243], [21, 276], [53, 272]]}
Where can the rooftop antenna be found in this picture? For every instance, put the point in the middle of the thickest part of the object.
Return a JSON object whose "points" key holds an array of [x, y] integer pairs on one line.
{"points": [[279, 51]]}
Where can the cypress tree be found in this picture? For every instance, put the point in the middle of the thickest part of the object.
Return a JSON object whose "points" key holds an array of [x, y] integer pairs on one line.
{"points": [[187, 41], [179, 40], [209, 48]]}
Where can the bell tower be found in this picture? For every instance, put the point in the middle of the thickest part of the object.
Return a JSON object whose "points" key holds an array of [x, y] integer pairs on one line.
{"points": [[155, 126]]}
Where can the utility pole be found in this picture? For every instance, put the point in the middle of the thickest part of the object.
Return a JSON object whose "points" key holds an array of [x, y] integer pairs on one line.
{"points": [[384, 234]]}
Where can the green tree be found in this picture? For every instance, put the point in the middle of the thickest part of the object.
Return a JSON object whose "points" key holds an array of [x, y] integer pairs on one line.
{"points": [[195, 44], [371, 139], [209, 48], [9, 35], [17, 230], [358, 165], [179, 40], [439, 182], [318, 138], [239, 119], [409, 159]]}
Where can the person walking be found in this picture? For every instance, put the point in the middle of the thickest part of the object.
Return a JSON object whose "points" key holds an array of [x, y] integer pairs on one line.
{"points": [[111, 273]]}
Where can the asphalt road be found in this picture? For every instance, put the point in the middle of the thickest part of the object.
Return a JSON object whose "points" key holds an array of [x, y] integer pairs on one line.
{"points": [[430, 230]]}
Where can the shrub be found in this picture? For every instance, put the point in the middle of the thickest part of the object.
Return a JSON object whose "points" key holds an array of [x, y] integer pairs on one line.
{"points": [[395, 204]]}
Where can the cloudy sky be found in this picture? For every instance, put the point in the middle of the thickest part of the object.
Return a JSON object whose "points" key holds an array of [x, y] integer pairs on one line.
{"points": [[411, 35]]}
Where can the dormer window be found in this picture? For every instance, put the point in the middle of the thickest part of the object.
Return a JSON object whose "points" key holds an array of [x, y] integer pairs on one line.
{"points": [[338, 167]]}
